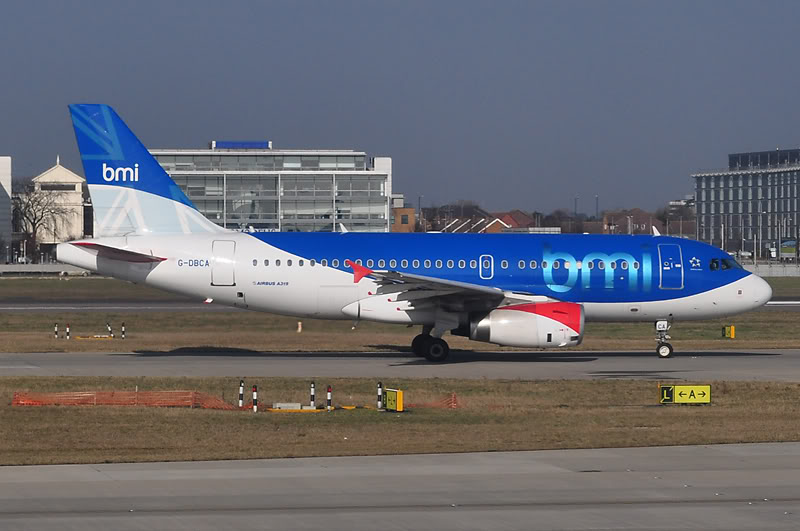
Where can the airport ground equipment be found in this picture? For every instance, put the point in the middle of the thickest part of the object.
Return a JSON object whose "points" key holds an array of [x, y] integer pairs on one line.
{"points": [[394, 400], [729, 332]]}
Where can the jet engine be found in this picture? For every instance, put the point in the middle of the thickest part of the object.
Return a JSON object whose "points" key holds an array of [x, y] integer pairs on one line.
{"points": [[533, 325]]}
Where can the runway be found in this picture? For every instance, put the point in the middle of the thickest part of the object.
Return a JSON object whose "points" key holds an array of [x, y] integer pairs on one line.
{"points": [[725, 487], [777, 365]]}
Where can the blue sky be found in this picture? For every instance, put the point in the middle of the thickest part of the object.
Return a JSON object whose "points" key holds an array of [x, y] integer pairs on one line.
{"points": [[512, 104]]}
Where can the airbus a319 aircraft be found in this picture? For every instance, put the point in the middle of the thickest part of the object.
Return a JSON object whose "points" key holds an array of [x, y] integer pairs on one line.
{"points": [[521, 290]]}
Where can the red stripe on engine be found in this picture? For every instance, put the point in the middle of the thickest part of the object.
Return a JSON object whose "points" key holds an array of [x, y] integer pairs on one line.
{"points": [[567, 313]]}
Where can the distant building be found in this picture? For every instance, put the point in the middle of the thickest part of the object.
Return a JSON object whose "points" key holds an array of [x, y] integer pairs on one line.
{"points": [[631, 221], [5, 209], [251, 186], [460, 218], [750, 204], [67, 189]]}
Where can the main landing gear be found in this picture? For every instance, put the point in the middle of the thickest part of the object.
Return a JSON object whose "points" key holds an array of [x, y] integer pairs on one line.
{"points": [[431, 348], [664, 349]]}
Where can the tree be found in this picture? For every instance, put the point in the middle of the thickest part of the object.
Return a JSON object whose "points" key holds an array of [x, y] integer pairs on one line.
{"points": [[35, 210]]}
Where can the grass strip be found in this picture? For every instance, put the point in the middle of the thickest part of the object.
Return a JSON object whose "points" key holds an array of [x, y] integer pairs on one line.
{"points": [[496, 416]]}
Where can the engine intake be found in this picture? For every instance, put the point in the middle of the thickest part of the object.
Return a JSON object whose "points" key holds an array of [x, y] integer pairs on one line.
{"points": [[534, 325]]}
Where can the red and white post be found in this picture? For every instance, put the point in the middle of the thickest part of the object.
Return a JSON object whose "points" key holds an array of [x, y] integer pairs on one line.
{"points": [[313, 403], [241, 394], [330, 393], [380, 395], [255, 399]]}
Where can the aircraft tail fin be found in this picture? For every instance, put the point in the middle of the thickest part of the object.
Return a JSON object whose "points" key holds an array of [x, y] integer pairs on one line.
{"points": [[131, 193]]}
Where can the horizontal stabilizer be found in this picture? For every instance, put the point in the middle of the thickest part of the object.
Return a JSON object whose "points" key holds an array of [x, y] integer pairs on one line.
{"points": [[113, 253]]}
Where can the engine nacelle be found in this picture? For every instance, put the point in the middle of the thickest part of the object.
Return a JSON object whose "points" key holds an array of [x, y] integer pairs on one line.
{"points": [[534, 325]]}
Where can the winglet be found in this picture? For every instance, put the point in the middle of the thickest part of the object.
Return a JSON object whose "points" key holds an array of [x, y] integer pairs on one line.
{"points": [[655, 230], [359, 271]]}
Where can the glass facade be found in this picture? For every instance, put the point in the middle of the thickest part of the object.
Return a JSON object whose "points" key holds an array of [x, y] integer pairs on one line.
{"points": [[275, 190], [753, 206]]}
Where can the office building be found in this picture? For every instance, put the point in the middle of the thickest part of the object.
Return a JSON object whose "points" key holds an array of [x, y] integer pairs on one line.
{"points": [[250, 186]]}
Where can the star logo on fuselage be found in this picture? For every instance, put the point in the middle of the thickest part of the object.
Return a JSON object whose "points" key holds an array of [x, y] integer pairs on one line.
{"points": [[695, 262]]}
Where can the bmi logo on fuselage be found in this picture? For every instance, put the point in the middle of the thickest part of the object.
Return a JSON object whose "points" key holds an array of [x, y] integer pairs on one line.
{"points": [[121, 174]]}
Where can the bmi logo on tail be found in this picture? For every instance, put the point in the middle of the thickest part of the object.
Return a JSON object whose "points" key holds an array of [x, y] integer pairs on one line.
{"points": [[121, 174]]}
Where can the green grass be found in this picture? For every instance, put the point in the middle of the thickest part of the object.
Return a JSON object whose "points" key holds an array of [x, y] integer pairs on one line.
{"points": [[496, 416]]}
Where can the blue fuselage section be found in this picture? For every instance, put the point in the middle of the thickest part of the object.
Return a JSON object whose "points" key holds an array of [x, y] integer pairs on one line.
{"points": [[575, 268]]}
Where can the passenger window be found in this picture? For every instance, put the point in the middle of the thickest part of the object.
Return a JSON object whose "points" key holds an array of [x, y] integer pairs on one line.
{"points": [[636, 265], [370, 263], [533, 264], [544, 264], [381, 263], [556, 264], [415, 263], [266, 263], [289, 263], [462, 264], [566, 265], [324, 262], [590, 264], [300, 263], [313, 263], [714, 264], [601, 264], [335, 262], [450, 264], [358, 261], [427, 264], [504, 264], [624, 264], [473, 264], [438, 264], [255, 262], [521, 264], [578, 264], [277, 263], [613, 265], [404, 263], [392, 263]]}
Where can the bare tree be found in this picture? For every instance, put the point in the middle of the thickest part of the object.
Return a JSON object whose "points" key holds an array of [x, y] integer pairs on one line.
{"points": [[36, 210]]}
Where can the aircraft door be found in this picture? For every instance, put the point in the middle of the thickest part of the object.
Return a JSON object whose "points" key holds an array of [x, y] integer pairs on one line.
{"points": [[222, 269], [670, 266], [486, 266]]}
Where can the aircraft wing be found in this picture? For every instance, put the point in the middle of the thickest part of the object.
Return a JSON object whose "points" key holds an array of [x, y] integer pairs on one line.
{"points": [[449, 294]]}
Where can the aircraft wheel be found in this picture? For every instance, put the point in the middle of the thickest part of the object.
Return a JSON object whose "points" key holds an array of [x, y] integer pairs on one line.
{"points": [[418, 343], [664, 350], [436, 349]]}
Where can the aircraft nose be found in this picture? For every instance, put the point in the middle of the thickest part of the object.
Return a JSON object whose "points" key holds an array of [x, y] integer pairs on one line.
{"points": [[760, 289]]}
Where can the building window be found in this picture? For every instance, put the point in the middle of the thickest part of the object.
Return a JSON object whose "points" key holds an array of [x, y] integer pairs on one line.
{"points": [[404, 219], [56, 187]]}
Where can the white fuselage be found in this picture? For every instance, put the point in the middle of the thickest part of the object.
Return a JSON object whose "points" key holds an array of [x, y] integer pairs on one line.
{"points": [[296, 287]]}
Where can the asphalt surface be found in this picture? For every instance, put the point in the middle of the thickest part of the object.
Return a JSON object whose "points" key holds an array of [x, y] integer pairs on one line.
{"points": [[726, 487], [779, 365]]}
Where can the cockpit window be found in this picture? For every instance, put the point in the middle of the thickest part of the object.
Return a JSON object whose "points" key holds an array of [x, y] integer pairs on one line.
{"points": [[714, 265], [730, 263]]}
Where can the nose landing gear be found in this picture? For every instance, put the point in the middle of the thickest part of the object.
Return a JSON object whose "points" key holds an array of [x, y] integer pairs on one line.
{"points": [[664, 349]]}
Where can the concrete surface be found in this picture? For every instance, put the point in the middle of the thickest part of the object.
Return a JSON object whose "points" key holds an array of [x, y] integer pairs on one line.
{"points": [[782, 365], [725, 487]]}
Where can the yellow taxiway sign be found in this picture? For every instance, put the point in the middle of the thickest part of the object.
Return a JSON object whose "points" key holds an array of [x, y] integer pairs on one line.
{"points": [[685, 394]]}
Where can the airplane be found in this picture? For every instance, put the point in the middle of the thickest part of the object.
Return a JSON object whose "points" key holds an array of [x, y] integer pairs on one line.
{"points": [[520, 290]]}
